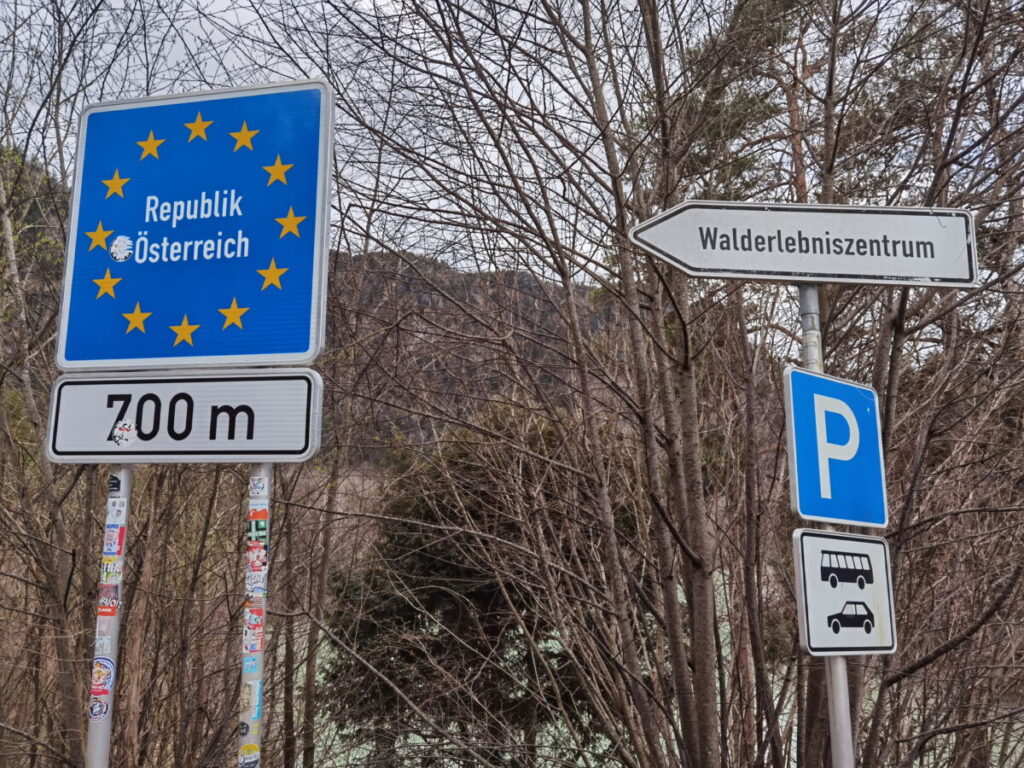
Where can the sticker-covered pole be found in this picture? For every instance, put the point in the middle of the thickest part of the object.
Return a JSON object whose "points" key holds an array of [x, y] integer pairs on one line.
{"points": [[254, 612], [108, 619], [840, 727]]}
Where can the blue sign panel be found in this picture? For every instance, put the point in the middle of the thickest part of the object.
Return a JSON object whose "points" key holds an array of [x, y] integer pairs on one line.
{"points": [[199, 230], [836, 473]]}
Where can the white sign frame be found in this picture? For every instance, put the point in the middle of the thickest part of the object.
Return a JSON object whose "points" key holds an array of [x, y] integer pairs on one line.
{"points": [[833, 215], [817, 637], [296, 442]]}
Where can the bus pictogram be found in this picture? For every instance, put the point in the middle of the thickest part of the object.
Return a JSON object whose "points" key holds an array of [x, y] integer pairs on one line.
{"points": [[846, 568]]}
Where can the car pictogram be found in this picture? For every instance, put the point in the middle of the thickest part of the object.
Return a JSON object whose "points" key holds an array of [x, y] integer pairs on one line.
{"points": [[854, 614]]}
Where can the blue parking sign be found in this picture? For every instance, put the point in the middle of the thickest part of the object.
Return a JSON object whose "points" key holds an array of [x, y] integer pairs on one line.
{"points": [[198, 230], [834, 441]]}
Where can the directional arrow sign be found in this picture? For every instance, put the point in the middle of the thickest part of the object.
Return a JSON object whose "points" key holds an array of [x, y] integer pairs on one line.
{"points": [[815, 243], [250, 415]]}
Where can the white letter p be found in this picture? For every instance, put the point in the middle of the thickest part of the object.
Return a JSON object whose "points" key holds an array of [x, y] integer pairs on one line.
{"points": [[833, 451]]}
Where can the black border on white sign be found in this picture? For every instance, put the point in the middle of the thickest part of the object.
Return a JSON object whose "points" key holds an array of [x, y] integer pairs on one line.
{"points": [[311, 427], [804, 619], [636, 237]]}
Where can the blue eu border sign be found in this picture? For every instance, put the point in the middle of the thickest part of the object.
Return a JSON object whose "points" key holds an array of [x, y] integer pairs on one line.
{"points": [[199, 231], [834, 440]]}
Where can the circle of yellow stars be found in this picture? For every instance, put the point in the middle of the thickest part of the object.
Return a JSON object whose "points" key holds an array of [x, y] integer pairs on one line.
{"points": [[150, 146]]}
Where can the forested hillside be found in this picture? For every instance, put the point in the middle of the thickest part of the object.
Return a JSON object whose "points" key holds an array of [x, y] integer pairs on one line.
{"points": [[550, 521]]}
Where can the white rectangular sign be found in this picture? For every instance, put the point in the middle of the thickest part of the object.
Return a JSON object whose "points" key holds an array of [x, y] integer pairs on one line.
{"points": [[815, 243], [241, 416], [844, 593]]}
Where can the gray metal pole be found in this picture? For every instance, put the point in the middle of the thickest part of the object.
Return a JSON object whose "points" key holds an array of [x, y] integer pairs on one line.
{"points": [[840, 727], [254, 613], [108, 619], [810, 324]]}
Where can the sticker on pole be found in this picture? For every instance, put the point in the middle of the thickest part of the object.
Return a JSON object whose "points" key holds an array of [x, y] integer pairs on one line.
{"points": [[198, 231], [270, 415], [844, 593], [834, 442]]}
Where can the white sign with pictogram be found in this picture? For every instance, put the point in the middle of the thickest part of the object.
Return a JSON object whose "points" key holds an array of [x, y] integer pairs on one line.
{"points": [[844, 591]]}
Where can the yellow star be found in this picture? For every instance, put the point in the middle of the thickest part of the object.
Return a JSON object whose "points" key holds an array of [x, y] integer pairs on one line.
{"points": [[272, 275], [136, 318], [233, 314], [198, 127], [183, 331], [277, 171], [290, 223], [243, 137], [99, 236], [149, 146], [115, 186], [106, 284]]}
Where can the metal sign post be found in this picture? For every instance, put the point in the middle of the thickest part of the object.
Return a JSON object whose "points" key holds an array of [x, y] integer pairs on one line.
{"points": [[108, 619], [254, 616], [840, 726], [198, 238]]}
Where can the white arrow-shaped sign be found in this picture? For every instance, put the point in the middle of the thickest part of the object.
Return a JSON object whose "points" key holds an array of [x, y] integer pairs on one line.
{"points": [[815, 243]]}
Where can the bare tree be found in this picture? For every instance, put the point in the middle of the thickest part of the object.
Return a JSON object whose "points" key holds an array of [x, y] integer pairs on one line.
{"points": [[550, 523]]}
